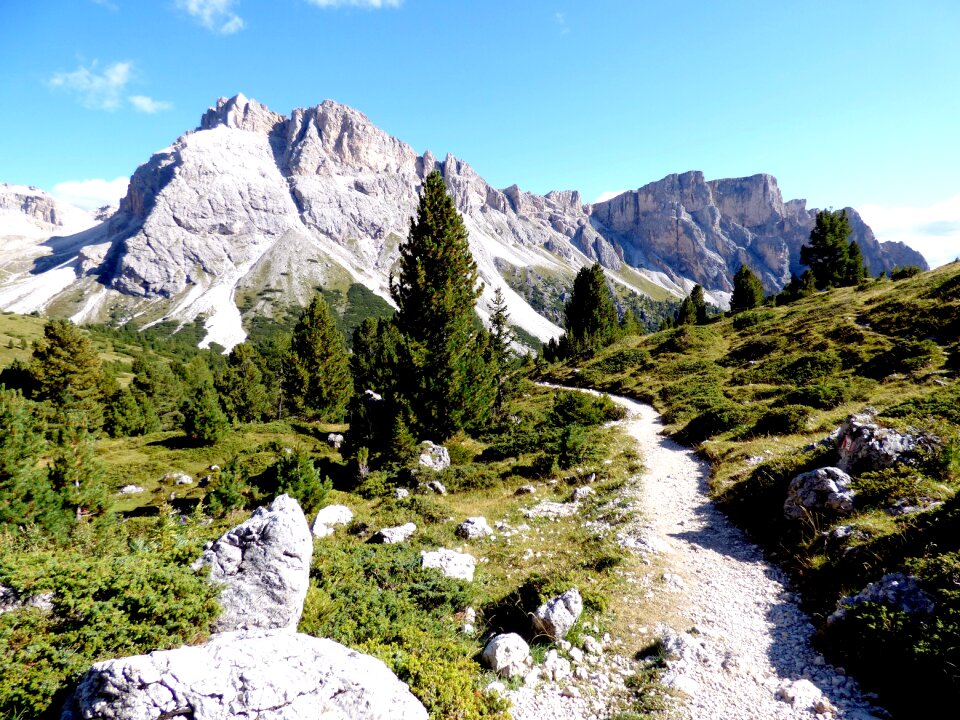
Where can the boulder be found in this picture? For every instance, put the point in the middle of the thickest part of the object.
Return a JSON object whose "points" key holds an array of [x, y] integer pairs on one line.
{"points": [[556, 616], [177, 478], [329, 517], [10, 600], [865, 445], [434, 457], [451, 563], [507, 654], [269, 675], [130, 490], [525, 490], [824, 490], [401, 493], [582, 493], [474, 528], [895, 590], [393, 535], [437, 487], [264, 564]]}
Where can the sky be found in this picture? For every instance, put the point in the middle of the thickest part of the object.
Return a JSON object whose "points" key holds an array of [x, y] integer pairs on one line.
{"points": [[846, 102]]}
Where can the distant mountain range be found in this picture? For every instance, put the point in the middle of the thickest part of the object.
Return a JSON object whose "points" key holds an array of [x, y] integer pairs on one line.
{"points": [[252, 211]]}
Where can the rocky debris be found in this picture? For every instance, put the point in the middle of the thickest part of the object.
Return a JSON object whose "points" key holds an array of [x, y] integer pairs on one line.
{"points": [[401, 493], [436, 487], [582, 493], [895, 590], [264, 564], [177, 478], [329, 517], [10, 600], [525, 490], [556, 616], [335, 440], [550, 510], [508, 655], [393, 535], [803, 695], [864, 445], [434, 457], [270, 675], [474, 528], [130, 490], [591, 645], [451, 563], [824, 490], [469, 618]]}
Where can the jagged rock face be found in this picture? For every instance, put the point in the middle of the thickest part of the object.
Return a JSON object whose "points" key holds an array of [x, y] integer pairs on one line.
{"points": [[264, 564], [267, 675], [705, 230]]}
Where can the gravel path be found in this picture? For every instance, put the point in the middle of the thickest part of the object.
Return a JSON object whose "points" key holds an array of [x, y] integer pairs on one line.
{"points": [[745, 651]]}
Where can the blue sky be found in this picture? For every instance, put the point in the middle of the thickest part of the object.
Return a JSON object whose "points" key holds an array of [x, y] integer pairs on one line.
{"points": [[846, 102]]}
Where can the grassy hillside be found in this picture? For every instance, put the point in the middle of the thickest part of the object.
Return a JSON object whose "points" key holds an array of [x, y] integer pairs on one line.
{"points": [[759, 391]]}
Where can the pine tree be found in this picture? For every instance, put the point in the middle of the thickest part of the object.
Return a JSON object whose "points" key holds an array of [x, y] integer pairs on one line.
{"points": [[78, 475], [317, 374], [435, 291], [203, 418], [503, 358], [693, 309], [856, 269], [295, 475], [159, 391], [124, 414], [827, 255], [591, 318], [66, 371], [747, 290], [241, 387]]}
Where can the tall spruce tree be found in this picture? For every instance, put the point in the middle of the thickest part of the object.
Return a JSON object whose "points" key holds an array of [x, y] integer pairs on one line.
{"points": [[504, 359], [828, 253], [317, 373], [693, 309], [856, 269], [747, 290], [435, 290], [591, 318], [240, 385]]}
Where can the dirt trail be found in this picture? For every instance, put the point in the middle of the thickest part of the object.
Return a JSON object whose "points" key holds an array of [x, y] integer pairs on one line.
{"points": [[750, 642]]}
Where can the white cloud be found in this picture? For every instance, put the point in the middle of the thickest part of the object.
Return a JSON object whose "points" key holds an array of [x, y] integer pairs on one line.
{"points": [[934, 231], [215, 15], [608, 195], [561, 20], [91, 194], [112, 6], [98, 91], [146, 104], [373, 4]]}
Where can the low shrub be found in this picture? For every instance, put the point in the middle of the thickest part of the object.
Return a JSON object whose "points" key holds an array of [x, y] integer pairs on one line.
{"points": [[716, 420], [752, 318], [904, 357], [633, 359], [823, 395], [755, 349], [807, 368], [785, 420], [571, 407], [904, 272]]}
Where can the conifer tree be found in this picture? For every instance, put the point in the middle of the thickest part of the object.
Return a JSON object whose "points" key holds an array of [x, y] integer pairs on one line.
{"points": [[591, 318], [317, 374], [435, 291], [241, 387], [693, 309], [856, 269], [66, 371], [159, 391], [827, 255], [78, 475], [203, 418], [503, 358], [747, 290]]}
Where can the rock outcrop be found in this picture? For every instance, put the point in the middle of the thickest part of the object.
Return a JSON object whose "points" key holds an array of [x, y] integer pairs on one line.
{"points": [[824, 490], [264, 564], [895, 590], [269, 675], [434, 457], [863, 444]]}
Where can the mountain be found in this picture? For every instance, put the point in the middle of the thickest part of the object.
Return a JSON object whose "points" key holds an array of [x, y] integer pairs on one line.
{"points": [[253, 210]]}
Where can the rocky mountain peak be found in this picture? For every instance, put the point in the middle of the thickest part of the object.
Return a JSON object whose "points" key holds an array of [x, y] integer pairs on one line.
{"points": [[240, 113]]}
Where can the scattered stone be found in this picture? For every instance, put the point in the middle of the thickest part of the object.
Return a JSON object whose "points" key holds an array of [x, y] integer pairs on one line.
{"points": [[130, 490], [214, 468], [532, 677], [802, 694], [496, 687], [436, 487], [591, 645], [551, 510], [592, 477], [525, 490], [556, 616], [507, 654], [433, 457], [329, 517], [264, 564], [335, 440], [824, 490], [401, 493], [393, 535], [555, 667], [473, 528], [581, 493], [273, 675], [177, 478], [10, 601], [204, 481], [576, 654], [896, 590], [570, 691], [451, 563]]}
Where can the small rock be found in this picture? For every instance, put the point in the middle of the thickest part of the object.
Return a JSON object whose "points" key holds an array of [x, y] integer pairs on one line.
{"points": [[525, 490], [130, 490], [591, 646], [576, 654], [451, 563], [507, 654], [432, 456], [401, 493], [436, 487], [473, 528], [556, 616], [555, 667], [393, 535], [214, 468], [570, 691], [824, 490], [335, 440], [496, 687], [581, 493], [329, 517], [177, 478]]}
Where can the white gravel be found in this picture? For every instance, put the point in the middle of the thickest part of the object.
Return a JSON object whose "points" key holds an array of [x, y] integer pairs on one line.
{"points": [[746, 652]]}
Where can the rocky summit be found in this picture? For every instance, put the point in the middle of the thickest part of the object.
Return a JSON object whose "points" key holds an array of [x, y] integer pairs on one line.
{"points": [[251, 211]]}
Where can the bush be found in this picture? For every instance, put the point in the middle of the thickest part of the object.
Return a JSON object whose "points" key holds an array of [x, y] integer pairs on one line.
{"points": [[756, 349], [712, 422], [578, 408], [907, 271], [807, 368], [621, 361], [823, 396], [784, 420], [752, 318], [904, 357]]}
